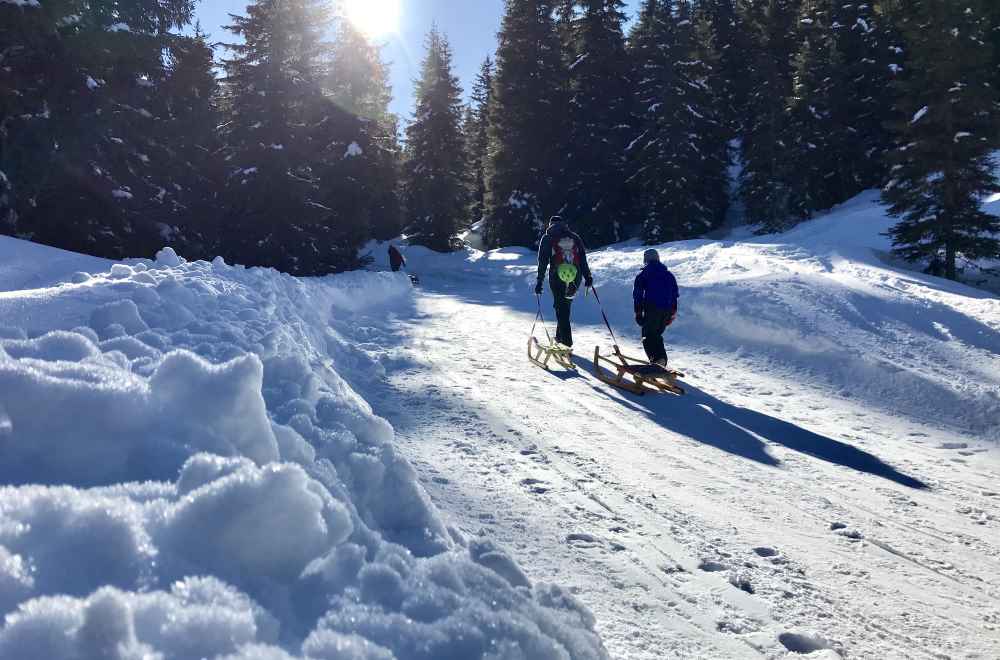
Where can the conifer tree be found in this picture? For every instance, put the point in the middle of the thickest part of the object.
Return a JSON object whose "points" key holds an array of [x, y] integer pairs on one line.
{"points": [[726, 36], [476, 129], [993, 10], [436, 195], [841, 102], [948, 114], [293, 200], [81, 140], [600, 95], [527, 126], [358, 82], [191, 122], [678, 158], [764, 187]]}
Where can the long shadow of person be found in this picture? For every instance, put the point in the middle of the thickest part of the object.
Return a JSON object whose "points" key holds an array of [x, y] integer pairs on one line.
{"points": [[745, 433]]}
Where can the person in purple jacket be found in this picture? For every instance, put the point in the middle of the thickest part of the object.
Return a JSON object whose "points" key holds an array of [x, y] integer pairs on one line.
{"points": [[655, 295]]}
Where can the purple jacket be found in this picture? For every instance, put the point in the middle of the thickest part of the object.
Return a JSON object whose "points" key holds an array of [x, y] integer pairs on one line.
{"points": [[656, 285]]}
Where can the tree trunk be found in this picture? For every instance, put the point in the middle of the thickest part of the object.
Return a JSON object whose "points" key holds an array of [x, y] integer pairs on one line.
{"points": [[951, 272]]}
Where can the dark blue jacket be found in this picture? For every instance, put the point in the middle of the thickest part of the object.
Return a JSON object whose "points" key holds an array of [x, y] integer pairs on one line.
{"points": [[656, 285]]}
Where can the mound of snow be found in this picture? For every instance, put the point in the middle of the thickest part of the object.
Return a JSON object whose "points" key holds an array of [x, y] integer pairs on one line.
{"points": [[187, 473]]}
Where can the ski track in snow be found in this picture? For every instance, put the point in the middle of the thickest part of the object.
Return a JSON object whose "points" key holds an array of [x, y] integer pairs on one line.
{"points": [[765, 513]]}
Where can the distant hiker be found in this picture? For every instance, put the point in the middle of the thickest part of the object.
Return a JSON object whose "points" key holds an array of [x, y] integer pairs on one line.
{"points": [[396, 260], [655, 295], [567, 255]]}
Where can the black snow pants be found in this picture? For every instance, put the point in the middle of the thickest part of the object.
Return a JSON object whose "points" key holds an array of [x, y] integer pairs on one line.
{"points": [[653, 326], [563, 305]]}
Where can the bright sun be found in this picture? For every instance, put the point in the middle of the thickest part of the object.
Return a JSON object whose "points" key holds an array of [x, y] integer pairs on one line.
{"points": [[375, 18]]}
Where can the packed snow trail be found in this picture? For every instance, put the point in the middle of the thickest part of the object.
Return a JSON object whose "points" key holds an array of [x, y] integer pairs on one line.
{"points": [[775, 509]]}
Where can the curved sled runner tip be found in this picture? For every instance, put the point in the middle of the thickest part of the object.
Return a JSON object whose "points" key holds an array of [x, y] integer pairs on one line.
{"points": [[634, 375], [556, 353]]}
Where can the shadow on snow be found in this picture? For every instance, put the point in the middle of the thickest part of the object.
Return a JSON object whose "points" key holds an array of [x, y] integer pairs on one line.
{"points": [[744, 432]]}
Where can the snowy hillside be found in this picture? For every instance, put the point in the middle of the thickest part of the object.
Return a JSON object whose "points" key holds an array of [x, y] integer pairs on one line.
{"points": [[188, 476], [206, 461]]}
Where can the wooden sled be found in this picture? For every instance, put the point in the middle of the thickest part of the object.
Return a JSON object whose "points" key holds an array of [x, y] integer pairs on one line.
{"points": [[634, 375], [556, 353]]}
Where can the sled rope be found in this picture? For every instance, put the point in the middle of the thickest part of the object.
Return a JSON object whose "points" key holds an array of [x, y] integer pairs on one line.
{"points": [[539, 317], [606, 321]]}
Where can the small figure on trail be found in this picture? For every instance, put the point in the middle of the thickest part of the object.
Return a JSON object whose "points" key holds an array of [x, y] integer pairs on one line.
{"points": [[565, 252], [396, 260], [655, 295]]}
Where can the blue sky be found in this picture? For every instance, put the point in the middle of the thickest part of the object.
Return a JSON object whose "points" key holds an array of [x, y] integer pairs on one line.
{"points": [[471, 26]]}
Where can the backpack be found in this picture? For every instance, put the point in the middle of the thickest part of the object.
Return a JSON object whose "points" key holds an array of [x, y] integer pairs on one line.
{"points": [[566, 258]]}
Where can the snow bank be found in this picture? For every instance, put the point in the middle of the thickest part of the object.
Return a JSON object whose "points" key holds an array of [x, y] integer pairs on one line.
{"points": [[185, 472]]}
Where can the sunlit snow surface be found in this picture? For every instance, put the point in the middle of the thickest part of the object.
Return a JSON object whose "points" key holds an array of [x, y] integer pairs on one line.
{"points": [[186, 475]]}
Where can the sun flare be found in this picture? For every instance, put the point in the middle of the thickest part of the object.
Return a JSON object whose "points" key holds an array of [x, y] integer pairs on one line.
{"points": [[375, 18]]}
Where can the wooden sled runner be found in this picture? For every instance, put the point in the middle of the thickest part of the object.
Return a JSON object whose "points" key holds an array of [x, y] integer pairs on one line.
{"points": [[555, 353], [634, 375]]}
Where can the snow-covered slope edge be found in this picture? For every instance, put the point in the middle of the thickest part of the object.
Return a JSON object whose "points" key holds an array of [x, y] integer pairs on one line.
{"points": [[188, 476]]}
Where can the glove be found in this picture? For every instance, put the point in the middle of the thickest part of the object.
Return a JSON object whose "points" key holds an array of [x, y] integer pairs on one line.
{"points": [[538, 288], [589, 282], [672, 318], [640, 315]]}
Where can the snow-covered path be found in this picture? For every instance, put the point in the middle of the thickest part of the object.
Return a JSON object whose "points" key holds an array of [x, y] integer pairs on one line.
{"points": [[757, 516]]}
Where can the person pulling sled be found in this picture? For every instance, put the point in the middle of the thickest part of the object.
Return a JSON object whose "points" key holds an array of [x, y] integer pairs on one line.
{"points": [[655, 295], [561, 254]]}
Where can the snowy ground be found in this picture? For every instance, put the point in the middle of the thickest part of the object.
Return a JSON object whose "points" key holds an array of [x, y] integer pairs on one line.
{"points": [[195, 461], [831, 483]]}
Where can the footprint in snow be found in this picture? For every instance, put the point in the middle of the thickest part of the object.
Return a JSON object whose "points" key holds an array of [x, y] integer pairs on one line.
{"points": [[765, 552], [711, 566], [583, 540], [536, 486], [841, 529], [808, 643]]}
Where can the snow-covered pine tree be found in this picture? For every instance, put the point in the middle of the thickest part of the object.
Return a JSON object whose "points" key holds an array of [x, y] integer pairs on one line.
{"points": [[528, 119], [842, 98], [948, 116], [595, 195], [714, 131], [477, 138], [358, 82], [727, 34], [293, 199], [993, 10], [189, 221], [81, 136], [434, 183], [811, 143], [764, 186], [678, 158]]}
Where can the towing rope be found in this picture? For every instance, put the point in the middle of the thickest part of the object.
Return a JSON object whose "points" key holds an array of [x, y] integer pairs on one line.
{"points": [[606, 321], [539, 317]]}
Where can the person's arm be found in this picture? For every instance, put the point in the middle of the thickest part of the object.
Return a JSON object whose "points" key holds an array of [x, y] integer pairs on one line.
{"points": [[588, 279], [544, 255], [675, 294], [639, 298]]}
